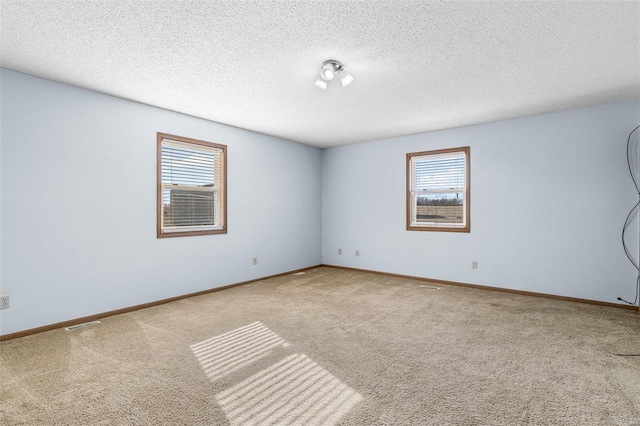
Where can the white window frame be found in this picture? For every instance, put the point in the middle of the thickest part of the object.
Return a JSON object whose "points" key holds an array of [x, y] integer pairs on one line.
{"points": [[413, 193], [219, 191]]}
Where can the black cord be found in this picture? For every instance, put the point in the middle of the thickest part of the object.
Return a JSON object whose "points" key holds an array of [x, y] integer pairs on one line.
{"points": [[633, 177], [632, 214], [627, 222], [637, 291]]}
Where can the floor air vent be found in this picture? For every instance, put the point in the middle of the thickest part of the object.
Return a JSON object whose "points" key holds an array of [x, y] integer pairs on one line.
{"points": [[83, 325]]}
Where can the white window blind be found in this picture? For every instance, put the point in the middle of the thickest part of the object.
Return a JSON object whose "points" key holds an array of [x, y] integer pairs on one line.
{"points": [[192, 187], [438, 189]]}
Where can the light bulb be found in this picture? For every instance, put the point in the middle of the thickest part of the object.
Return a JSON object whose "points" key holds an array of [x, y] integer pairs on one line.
{"points": [[327, 73]]}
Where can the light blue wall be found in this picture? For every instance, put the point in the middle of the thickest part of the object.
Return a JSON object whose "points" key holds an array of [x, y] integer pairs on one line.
{"points": [[78, 220], [549, 196], [78, 173]]}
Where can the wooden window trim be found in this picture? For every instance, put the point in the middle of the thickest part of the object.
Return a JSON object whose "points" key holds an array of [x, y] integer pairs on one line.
{"points": [[467, 192], [160, 234]]}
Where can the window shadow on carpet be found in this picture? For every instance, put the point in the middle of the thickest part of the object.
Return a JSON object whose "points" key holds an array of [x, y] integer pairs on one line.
{"points": [[294, 390]]}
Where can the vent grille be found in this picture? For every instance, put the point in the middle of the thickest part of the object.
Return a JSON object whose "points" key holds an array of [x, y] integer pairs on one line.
{"points": [[86, 324]]}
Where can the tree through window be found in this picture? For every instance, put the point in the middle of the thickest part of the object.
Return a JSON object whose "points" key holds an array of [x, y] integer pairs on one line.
{"points": [[438, 190]]}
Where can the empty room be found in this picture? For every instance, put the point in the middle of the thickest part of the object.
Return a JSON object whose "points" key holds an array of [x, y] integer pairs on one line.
{"points": [[319, 212]]}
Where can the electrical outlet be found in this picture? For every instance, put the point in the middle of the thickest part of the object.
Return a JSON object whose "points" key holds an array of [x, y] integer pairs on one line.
{"points": [[357, 252], [4, 302], [339, 251], [255, 260], [474, 264]]}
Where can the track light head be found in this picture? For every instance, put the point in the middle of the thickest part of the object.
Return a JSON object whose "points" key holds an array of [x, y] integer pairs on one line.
{"points": [[321, 83], [327, 73], [345, 78]]}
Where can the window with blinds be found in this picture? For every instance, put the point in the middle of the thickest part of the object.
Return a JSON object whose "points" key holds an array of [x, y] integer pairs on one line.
{"points": [[191, 187], [438, 190]]}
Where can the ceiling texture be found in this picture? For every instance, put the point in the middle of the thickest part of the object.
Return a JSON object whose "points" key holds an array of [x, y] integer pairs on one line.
{"points": [[418, 65]]}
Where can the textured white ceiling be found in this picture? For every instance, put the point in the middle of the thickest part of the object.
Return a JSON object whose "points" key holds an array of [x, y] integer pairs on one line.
{"points": [[418, 66]]}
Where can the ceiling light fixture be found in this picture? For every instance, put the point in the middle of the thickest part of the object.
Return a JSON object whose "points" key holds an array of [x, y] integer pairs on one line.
{"points": [[329, 70]]}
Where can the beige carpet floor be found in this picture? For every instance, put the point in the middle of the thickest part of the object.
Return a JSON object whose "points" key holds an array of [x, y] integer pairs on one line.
{"points": [[332, 347]]}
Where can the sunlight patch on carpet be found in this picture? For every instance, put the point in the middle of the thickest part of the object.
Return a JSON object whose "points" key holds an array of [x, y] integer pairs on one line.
{"points": [[295, 390], [229, 352]]}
